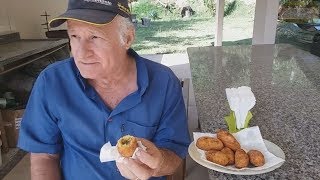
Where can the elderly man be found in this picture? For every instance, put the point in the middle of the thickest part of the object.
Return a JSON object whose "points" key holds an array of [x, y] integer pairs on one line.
{"points": [[105, 91]]}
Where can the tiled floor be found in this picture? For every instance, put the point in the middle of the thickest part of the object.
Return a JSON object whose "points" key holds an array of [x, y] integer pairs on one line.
{"points": [[179, 63]]}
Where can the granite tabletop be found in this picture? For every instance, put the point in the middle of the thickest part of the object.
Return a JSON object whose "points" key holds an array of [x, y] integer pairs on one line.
{"points": [[17, 50], [286, 83]]}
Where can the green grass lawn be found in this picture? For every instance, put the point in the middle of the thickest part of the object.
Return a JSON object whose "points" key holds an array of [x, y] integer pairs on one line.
{"points": [[177, 34], [173, 36]]}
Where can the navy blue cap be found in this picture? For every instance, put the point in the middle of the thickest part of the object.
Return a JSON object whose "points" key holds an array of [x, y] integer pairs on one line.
{"points": [[96, 12]]}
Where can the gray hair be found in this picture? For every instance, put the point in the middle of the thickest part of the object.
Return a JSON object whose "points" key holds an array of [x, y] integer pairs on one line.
{"points": [[125, 25]]}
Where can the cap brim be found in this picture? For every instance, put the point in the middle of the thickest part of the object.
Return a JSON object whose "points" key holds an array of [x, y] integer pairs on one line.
{"points": [[90, 16]]}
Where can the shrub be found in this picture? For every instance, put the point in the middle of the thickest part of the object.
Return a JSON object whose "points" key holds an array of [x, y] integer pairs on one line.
{"points": [[211, 5], [143, 7], [147, 8]]}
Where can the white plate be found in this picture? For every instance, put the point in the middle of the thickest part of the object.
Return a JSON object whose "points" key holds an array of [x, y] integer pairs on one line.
{"points": [[272, 148]]}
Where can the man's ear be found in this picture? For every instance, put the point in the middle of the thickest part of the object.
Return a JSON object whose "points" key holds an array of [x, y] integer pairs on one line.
{"points": [[130, 37]]}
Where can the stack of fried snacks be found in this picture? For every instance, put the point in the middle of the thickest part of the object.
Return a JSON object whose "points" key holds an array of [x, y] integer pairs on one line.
{"points": [[226, 150]]}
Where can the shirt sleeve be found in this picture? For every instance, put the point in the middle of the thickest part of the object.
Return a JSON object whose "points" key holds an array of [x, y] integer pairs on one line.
{"points": [[39, 131], [172, 133]]}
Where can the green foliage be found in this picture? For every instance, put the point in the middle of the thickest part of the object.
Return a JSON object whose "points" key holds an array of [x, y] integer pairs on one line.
{"points": [[201, 10], [230, 7], [299, 3], [154, 15], [147, 8], [143, 8], [211, 5]]}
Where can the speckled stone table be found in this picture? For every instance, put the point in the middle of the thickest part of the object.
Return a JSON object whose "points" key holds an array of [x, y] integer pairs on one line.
{"points": [[286, 83]]}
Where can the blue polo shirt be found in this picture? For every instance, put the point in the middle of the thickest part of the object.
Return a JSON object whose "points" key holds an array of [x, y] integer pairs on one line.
{"points": [[65, 115]]}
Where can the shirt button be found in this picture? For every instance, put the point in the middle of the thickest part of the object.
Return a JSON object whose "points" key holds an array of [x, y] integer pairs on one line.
{"points": [[122, 128], [110, 119]]}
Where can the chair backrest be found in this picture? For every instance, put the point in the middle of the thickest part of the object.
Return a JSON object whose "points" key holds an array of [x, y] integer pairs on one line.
{"points": [[181, 170]]}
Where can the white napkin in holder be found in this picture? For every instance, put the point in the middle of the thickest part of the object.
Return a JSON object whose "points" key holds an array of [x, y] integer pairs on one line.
{"points": [[241, 100]]}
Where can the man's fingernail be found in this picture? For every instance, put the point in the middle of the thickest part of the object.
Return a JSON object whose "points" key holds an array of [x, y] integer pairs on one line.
{"points": [[138, 153]]}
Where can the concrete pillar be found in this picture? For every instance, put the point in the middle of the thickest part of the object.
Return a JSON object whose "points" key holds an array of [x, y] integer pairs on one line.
{"points": [[265, 22], [219, 22]]}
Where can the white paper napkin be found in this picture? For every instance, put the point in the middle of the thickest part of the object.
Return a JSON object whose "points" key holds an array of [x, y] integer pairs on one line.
{"points": [[249, 139], [241, 100], [110, 153]]}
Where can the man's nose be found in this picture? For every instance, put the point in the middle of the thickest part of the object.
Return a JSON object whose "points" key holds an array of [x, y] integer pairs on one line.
{"points": [[84, 49]]}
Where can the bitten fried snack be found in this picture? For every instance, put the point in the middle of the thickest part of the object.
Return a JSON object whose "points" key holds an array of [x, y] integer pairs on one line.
{"points": [[209, 143], [218, 158], [127, 145], [228, 140], [230, 155], [256, 158], [241, 159]]}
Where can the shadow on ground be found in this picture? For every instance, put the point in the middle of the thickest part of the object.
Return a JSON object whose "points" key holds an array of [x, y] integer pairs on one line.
{"points": [[172, 36], [239, 42]]}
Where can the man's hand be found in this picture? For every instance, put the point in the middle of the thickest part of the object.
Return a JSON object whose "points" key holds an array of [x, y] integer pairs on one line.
{"points": [[147, 164]]}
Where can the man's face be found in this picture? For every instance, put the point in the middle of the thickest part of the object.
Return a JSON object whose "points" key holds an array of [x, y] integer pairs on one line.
{"points": [[97, 50]]}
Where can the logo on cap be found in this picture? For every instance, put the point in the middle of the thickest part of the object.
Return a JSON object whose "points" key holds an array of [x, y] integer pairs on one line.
{"points": [[104, 2]]}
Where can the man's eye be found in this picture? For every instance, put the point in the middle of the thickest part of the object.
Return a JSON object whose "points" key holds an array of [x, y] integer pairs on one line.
{"points": [[94, 37], [73, 36]]}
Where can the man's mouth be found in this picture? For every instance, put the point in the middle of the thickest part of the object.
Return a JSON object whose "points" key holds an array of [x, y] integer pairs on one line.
{"points": [[88, 63]]}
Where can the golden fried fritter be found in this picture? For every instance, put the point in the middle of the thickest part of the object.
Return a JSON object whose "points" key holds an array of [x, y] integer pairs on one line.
{"points": [[218, 158], [210, 153], [228, 140], [256, 158], [241, 159], [209, 143], [126, 145], [230, 155]]}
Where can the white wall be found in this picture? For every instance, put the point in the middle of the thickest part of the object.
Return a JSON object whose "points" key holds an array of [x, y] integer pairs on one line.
{"points": [[4, 17], [25, 15]]}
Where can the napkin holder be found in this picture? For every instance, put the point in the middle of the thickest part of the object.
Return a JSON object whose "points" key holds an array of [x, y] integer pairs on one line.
{"points": [[231, 122]]}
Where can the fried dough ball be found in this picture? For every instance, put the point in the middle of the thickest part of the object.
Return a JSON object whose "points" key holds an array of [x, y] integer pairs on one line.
{"points": [[256, 158], [241, 159], [230, 155], [209, 143], [127, 145], [228, 140], [218, 158], [210, 153]]}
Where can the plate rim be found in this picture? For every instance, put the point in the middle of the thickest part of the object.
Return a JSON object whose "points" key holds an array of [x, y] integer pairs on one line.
{"points": [[278, 152]]}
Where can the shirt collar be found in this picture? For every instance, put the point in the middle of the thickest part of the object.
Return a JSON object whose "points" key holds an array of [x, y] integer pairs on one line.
{"points": [[142, 74]]}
